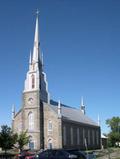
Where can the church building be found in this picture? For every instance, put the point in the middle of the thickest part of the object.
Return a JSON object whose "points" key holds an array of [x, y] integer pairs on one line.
{"points": [[51, 124]]}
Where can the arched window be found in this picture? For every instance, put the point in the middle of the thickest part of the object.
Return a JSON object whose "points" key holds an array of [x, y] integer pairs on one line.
{"points": [[20, 126], [31, 121], [50, 127], [31, 143], [50, 144], [33, 81]]}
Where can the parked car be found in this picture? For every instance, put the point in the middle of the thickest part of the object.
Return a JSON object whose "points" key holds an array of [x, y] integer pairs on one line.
{"points": [[78, 153], [91, 155], [25, 154], [82, 154], [55, 154]]}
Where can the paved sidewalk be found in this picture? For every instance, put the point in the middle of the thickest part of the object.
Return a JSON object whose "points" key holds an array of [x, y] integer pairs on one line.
{"points": [[113, 155]]}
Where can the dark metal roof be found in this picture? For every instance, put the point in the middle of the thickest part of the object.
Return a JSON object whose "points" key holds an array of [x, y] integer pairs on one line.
{"points": [[73, 114]]}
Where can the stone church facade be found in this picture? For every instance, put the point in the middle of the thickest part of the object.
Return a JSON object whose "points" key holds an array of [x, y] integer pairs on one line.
{"points": [[51, 124]]}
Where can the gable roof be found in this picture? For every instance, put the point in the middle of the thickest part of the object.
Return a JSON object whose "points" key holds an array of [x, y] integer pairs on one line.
{"points": [[73, 114]]}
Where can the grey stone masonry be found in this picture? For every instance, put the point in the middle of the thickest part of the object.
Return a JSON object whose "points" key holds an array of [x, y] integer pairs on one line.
{"points": [[31, 104], [55, 134]]}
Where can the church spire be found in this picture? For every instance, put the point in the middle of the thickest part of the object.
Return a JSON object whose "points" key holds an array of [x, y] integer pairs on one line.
{"points": [[36, 41], [82, 103], [13, 112], [42, 59], [36, 77], [30, 59], [98, 120]]}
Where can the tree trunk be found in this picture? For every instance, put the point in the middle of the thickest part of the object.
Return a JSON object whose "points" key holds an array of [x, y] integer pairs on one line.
{"points": [[5, 154]]}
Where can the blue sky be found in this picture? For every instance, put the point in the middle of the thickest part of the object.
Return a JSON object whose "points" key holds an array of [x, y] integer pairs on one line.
{"points": [[80, 40]]}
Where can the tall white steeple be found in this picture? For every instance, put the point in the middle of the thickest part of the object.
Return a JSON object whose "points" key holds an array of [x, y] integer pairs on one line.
{"points": [[30, 59], [98, 120], [36, 78]]}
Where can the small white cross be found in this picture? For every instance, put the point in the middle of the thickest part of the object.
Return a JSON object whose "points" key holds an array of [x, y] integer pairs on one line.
{"points": [[37, 12]]}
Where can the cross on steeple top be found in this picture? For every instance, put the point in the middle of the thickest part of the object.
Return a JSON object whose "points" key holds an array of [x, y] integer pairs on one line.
{"points": [[37, 12]]}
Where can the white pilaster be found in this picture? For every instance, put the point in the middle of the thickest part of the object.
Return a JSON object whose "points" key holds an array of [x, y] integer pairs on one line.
{"points": [[13, 112], [82, 106], [59, 109]]}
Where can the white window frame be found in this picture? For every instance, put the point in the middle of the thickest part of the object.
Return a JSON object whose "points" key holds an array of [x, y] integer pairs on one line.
{"points": [[50, 125], [50, 143], [31, 140]]}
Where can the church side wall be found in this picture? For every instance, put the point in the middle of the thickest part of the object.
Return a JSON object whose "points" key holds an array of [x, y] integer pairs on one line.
{"points": [[79, 135], [52, 128], [17, 122]]}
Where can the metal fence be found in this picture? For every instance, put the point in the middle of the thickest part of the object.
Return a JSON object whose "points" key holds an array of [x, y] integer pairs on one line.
{"points": [[3, 156]]}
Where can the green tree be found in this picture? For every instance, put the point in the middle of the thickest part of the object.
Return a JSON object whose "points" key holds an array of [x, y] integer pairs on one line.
{"points": [[113, 138], [22, 140], [7, 138], [114, 124], [114, 135]]}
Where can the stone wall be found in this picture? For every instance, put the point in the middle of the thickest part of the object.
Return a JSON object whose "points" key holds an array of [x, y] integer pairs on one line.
{"points": [[32, 106], [17, 122], [53, 133]]}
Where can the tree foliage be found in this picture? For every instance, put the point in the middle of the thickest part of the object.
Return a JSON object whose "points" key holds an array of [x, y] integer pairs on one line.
{"points": [[22, 140], [114, 135], [114, 124], [7, 138]]}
